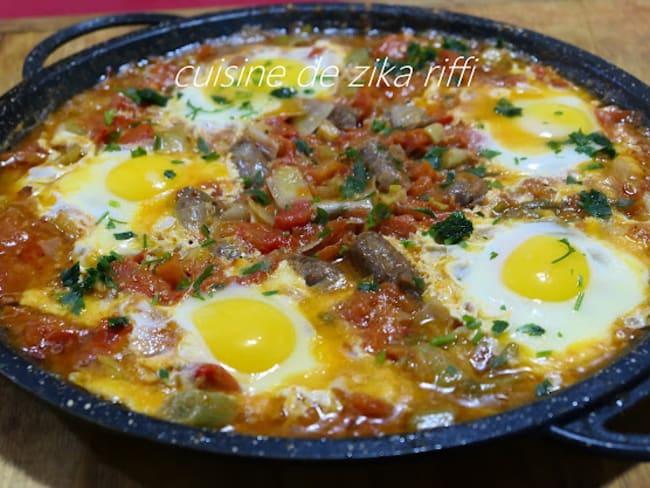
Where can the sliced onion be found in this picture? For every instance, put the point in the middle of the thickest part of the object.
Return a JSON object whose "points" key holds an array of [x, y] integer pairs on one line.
{"points": [[316, 112], [258, 133], [238, 211], [339, 207], [407, 116], [287, 185], [260, 212]]}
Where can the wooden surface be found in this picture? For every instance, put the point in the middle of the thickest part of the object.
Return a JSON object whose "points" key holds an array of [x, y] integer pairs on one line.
{"points": [[39, 447]]}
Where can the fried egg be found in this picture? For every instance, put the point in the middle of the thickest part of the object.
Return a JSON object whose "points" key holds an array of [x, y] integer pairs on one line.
{"points": [[116, 199], [262, 340], [256, 82], [548, 115], [556, 287]]}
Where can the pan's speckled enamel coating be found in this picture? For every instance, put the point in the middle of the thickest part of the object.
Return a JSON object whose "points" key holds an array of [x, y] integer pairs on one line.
{"points": [[577, 414]]}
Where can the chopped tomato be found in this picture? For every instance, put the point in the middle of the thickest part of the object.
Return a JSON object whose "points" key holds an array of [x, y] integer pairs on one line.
{"points": [[379, 315], [61, 344], [363, 404], [394, 46], [171, 271], [415, 142], [398, 225], [32, 250], [138, 133], [322, 172], [209, 376], [298, 214], [133, 277], [610, 116], [262, 237]]}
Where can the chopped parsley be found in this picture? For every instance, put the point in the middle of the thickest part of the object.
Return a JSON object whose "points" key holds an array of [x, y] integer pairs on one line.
{"points": [[260, 266], [163, 374], [356, 182], [259, 196], [284, 92], [303, 147], [434, 156], [452, 230], [378, 125], [169, 174], [507, 109], [118, 322], [477, 337], [489, 153], [419, 56], [571, 180], [443, 340], [592, 144], [543, 354], [544, 388], [377, 215], [570, 250], [124, 236], [268, 293], [322, 217], [407, 244], [455, 45], [579, 299], [479, 171], [324, 233], [139, 151], [532, 330], [368, 286], [205, 274], [471, 322], [449, 180], [220, 100], [493, 255], [79, 284], [108, 117], [202, 146], [146, 96], [425, 211], [499, 326], [380, 358], [595, 203]]}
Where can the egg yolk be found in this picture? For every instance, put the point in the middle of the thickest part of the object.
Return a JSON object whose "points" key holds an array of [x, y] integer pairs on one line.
{"points": [[546, 268], [250, 336], [141, 178], [539, 123]]}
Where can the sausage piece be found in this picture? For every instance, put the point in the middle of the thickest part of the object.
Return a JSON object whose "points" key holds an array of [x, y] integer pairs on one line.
{"points": [[381, 165], [468, 189], [195, 208], [344, 117], [372, 254], [249, 159], [318, 273]]}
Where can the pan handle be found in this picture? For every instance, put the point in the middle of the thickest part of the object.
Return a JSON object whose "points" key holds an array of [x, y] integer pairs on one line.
{"points": [[37, 56], [592, 430]]}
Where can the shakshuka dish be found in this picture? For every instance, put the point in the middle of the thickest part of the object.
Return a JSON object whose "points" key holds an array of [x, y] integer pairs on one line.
{"points": [[299, 234]]}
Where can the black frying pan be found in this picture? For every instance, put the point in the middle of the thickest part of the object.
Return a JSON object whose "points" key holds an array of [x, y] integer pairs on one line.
{"points": [[580, 414]]}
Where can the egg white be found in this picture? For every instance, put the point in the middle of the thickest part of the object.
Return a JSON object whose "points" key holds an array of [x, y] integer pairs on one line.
{"points": [[195, 105], [469, 282], [193, 348], [80, 192]]}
